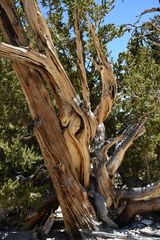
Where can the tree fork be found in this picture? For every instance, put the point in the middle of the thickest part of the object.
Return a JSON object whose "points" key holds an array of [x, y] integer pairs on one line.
{"points": [[81, 116]]}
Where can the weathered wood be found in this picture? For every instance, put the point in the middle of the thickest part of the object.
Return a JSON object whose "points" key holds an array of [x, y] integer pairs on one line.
{"points": [[137, 207], [48, 224], [129, 137], [105, 184], [47, 205], [146, 193], [109, 85], [75, 143], [65, 138], [85, 89], [72, 198]]}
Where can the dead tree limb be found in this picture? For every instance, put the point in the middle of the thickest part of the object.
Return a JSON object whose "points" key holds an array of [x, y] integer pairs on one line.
{"points": [[109, 86], [137, 194], [137, 207], [118, 155], [85, 89]]}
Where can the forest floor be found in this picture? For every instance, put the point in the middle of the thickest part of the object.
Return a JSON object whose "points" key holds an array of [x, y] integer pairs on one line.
{"points": [[142, 228]]}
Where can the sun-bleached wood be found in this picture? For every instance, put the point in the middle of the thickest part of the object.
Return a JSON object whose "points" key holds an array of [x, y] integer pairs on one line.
{"points": [[66, 138]]}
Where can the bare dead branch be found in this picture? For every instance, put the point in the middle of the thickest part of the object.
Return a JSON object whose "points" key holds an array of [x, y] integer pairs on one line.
{"points": [[149, 192], [85, 89], [10, 25], [33, 218], [150, 10], [112, 142], [102, 58], [109, 85], [129, 137], [48, 224], [40, 29], [60, 82], [137, 207], [37, 23], [22, 54]]}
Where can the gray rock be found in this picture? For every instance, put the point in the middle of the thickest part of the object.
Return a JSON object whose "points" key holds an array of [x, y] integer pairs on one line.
{"points": [[146, 221]]}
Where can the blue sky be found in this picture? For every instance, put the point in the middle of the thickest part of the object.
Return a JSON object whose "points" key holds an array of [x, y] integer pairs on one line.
{"points": [[127, 12]]}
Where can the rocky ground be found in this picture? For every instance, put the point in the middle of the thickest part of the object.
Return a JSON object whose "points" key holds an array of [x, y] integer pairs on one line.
{"points": [[143, 228]]}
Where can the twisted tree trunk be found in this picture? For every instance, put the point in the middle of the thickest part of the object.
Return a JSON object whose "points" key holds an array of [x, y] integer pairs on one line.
{"points": [[65, 138], [71, 195]]}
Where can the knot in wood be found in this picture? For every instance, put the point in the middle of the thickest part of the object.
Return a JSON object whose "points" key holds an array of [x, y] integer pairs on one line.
{"points": [[59, 167]]}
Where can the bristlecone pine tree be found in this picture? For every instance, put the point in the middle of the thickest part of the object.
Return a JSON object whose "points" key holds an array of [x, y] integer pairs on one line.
{"points": [[72, 137]]}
